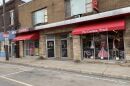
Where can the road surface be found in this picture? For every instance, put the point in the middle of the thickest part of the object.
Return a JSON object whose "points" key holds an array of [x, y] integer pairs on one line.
{"points": [[16, 75]]}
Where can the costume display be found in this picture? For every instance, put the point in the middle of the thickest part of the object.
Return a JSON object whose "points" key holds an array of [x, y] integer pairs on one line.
{"points": [[103, 53], [92, 49]]}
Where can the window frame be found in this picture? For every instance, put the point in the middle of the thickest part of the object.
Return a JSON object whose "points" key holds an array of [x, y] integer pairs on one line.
{"points": [[12, 21], [89, 3], [45, 17], [87, 10]]}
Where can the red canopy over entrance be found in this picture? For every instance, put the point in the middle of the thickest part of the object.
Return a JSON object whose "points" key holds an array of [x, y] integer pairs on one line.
{"points": [[31, 36], [100, 27]]}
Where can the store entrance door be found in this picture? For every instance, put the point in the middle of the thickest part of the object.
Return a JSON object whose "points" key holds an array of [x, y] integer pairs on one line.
{"points": [[29, 48], [50, 48], [64, 48]]}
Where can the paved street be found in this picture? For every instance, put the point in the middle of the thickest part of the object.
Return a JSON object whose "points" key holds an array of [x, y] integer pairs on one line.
{"points": [[15, 75]]}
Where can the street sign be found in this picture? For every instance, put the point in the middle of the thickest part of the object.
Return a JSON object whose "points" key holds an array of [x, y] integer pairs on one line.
{"points": [[5, 34]]}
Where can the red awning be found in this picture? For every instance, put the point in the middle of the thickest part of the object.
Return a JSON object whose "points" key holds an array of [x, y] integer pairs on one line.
{"points": [[32, 36], [100, 27]]}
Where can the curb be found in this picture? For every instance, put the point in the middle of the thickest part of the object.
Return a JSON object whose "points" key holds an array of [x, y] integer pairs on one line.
{"points": [[72, 71]]}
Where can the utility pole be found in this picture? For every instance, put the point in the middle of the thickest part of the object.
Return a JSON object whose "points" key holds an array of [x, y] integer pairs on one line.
{"points": [[6, 38]]}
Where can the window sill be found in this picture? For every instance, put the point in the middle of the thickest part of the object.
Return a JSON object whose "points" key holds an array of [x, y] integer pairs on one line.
{"points": [[40, 24], [80, 15]]}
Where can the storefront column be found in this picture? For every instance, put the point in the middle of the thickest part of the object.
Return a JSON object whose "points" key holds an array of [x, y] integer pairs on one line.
{"points": [[57, 47], [21, 49], [127, 39], [127, 48], [42, 45], [77, 48], [70, 48]]}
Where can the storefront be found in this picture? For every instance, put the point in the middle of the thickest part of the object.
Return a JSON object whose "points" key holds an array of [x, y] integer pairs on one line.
{"points": [[103, 40], [31, 48], [58, 46], [28, 44], [10, 43], [61, 43]]}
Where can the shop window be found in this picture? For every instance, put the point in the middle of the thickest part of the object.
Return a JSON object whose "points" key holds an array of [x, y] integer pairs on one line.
{"points": [[40, 17], [29, 48], [116, 45], [88, 46], [104, 46], [101, 46], [78, 7]]}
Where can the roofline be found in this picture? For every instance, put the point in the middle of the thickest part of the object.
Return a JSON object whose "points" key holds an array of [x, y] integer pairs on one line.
{"points": [[106, 14], [9, 2], [26, 3]]}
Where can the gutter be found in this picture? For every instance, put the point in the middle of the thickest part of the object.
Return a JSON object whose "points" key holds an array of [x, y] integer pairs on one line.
{"points": [[107, 14]]}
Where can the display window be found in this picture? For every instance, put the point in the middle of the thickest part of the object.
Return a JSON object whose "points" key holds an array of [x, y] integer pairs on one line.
{"points": [[88, 46], [116, 45], [104, 46], [101, 46], [31, 48]]}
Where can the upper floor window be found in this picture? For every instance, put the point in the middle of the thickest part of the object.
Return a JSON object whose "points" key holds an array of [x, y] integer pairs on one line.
{"points": [[40, 17], [75, 7], [12, 17]]}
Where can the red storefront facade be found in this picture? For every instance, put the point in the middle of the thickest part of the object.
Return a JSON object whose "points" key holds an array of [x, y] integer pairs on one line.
{"points": [[28, 43], [92, 37], [103, 39], [94, 31]]}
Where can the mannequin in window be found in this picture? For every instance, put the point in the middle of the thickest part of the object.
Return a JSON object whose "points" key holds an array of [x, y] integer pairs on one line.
{"points": [[103, 53], [116, 46], [92, 49]]}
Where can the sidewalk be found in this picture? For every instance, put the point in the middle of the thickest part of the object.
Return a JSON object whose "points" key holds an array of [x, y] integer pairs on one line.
{"points": [[109, 70]]}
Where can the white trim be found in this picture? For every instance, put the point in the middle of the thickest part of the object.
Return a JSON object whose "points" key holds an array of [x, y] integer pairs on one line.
{"points": [[47, 47], [108, 46], [124, 46], [111, 13], [61, 47]]}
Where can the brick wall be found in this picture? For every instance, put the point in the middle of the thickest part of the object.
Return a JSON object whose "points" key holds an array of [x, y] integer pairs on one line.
{"points": [[55, 10], [106, 5], [127, 38], [11, 5]]}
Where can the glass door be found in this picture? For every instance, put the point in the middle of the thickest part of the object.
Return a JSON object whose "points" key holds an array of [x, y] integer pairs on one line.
{"points": [[50, 48], [64, 48]]}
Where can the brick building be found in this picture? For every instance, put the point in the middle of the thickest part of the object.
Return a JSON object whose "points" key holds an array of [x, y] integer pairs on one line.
{"points": [[11, 23], [75, 29]]}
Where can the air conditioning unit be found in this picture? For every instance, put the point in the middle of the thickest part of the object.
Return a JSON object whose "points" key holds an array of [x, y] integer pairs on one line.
{"points": [[77, 16]]}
